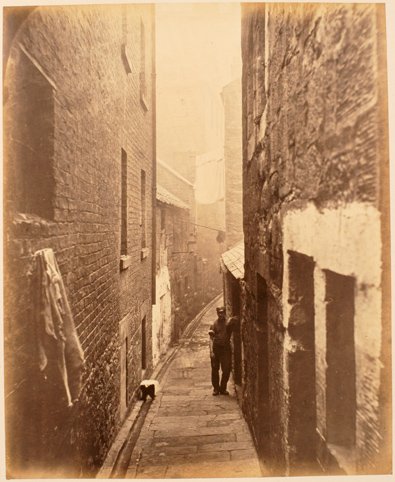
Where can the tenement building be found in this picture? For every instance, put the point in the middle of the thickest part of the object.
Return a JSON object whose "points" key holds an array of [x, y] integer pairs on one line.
{"points": [[179, 272], [316, 376], [231, 98], [79, 174], [190, 112]]}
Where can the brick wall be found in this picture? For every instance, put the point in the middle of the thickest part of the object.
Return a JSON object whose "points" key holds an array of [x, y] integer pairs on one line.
{"points": [[315, 167], [76, 56]]}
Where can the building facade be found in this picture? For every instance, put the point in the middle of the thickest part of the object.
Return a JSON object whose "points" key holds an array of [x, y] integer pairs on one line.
{"points": [[233, 156], [79, 150], [316, 307], [179, 273], [191, 75], [190, 126]]}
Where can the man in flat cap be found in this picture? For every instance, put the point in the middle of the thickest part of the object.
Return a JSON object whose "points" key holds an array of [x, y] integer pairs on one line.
{"points": [[220, 350]]}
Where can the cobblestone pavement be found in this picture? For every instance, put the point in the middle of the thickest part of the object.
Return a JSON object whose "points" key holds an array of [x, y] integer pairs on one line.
{"points": [[188, 432]]}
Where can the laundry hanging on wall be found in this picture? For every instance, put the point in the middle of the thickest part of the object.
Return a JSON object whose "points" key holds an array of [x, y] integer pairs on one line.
{"points": [[60, 356], [210, 177]]}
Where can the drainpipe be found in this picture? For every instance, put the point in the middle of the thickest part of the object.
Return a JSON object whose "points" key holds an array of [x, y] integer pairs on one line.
{"points": [[153, 294]]}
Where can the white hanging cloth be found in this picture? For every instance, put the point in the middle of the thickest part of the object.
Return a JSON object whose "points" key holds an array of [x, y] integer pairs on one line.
{"points": [[210, 177], [60, 355]]}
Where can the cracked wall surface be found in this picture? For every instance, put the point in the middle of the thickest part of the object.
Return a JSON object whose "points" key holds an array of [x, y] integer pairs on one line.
{"points": [[315, 148]]}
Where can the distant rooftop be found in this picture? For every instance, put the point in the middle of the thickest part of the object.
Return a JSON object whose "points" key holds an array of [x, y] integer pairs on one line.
{"points": [[233, 260], [164, 196], [173, 171]]}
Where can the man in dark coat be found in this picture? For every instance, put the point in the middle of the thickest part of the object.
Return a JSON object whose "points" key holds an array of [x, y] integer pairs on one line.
{"points": [[220, 351]]}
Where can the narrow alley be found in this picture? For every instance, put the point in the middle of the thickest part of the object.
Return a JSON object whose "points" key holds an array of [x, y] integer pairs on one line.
{"points": [[188, 432], [196, 155]]}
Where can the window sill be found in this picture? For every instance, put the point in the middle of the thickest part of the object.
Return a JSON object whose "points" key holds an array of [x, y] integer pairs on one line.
{"points": [[126, 261], [125, 59], [143, 102], [345, 457], [144, 253]]}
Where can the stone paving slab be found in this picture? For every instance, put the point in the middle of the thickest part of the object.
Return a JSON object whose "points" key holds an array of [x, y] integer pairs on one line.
{"points": [[243, 454], [163, 431], [183, 413], [226, 446], [173, 450], [208, 439], [185, 458], [217, 469], [188, 433]]}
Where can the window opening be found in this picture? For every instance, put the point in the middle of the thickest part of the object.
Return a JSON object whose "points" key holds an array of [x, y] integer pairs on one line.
{"points": [[124, 54], [143, 83], [124, 204], [34, 112], [142, 209]]}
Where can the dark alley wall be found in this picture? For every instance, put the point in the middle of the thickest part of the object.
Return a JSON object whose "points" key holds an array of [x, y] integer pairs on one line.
{"points": [[179, 273], [78, 132], [315, 194]]}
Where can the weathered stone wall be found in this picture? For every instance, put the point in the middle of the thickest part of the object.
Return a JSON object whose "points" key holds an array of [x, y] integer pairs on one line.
{"points": [[315, 167], [93, 111]]}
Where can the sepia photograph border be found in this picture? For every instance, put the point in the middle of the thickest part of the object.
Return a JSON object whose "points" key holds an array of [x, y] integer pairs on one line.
{"points": [[390, 24]]}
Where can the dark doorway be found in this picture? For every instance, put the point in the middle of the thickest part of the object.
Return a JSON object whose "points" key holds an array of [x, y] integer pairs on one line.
{"points": [[263, 367], [340, 357], [143, 343], [301, 363], [126, 372], [236, 311]]}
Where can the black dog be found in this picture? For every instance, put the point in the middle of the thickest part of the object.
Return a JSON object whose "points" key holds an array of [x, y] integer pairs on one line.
{"points": [[147, 387]]}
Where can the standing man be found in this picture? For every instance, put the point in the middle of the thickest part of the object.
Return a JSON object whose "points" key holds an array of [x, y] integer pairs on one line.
{"points": [[221, 351]]}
